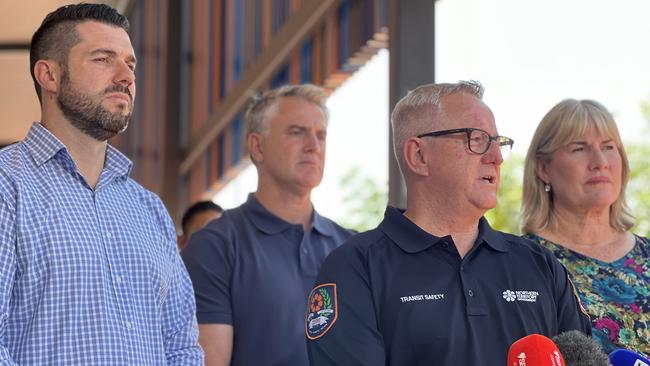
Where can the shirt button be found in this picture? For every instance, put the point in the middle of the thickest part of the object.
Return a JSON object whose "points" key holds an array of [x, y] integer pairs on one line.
{"points": [[470, 293], [444, 245], [128, 325], [109, 235], [304, 250], [118, 280]]}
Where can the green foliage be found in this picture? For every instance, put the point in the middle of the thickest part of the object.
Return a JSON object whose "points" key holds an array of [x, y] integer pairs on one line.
{"points": [[638, 191], [645, 111], [505, 217], [364, 200]]}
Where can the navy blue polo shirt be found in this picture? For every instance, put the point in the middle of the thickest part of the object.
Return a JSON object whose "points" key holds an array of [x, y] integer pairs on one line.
{"points": [[397, 295], [254, 271]]}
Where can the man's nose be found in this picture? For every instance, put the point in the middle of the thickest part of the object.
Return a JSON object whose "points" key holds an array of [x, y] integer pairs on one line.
{"points": [[493, 155], [124, 75], [314, 142]]}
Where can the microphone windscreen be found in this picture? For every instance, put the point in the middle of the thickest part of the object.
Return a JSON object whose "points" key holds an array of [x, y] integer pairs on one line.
{"points": [[624, 357], [534, 350], [580, 350]]}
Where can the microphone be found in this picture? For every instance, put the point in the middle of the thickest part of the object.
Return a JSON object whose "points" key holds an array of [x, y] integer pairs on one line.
{"points": [[624, 357], [534, 350], [580, 350]]}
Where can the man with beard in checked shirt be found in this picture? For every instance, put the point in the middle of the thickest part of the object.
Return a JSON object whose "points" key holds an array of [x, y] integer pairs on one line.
{"points": [[89, 271]]}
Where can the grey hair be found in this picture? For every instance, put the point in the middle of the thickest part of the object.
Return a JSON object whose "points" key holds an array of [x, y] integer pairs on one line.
{"points": [[414, 113], [256, 117]]}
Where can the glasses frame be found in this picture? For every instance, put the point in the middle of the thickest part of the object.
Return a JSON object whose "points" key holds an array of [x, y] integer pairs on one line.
{"points": [[502, 140]]}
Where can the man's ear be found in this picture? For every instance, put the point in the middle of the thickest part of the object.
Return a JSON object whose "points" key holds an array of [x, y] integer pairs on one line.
{"points": [[415, 158], [48, 75], [254, 142]]}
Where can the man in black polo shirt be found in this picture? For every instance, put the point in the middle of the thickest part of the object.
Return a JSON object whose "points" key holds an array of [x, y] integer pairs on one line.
{"points": [[435, 285], [253, 268]]}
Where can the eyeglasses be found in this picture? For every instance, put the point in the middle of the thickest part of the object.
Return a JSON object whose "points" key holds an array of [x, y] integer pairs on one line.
{"points": [[478, 141]]}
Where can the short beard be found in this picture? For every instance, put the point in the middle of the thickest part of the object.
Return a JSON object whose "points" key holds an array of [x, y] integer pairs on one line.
{"points": [[88, 116]]}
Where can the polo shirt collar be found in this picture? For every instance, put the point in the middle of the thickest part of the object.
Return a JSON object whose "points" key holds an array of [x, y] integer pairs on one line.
{"points": [[322, 225], [491, 237], [43, 146], [412, 239], [270, 224]]}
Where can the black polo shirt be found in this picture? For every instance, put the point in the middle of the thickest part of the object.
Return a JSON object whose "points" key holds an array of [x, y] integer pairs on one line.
{"points": [[397, 295], [253, 270]]}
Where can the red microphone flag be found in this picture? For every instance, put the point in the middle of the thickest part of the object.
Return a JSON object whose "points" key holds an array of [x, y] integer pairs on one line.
{"points": [[534, 350]]}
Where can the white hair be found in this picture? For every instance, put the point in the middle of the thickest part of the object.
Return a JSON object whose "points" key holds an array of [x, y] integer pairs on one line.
{"points": [[415, 113]]}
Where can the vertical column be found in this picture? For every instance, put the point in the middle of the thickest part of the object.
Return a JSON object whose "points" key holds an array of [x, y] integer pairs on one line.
{"points": [[170, 185], [412, 36]]}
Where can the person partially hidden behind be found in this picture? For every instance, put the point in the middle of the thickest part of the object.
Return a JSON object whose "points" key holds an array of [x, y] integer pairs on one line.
{"points": [[252, 269], [575, 177], [89, 271], [196, 217], [435, 284]]}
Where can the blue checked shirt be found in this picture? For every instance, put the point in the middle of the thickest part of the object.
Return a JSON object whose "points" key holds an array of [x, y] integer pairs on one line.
{"points": [[87, 277]]}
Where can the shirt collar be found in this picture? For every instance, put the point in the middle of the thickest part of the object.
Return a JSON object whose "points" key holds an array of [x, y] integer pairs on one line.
{"points": [[271, 224], [117, 163], [43, 146], [322, 225], [412, 239], [491, 237]]}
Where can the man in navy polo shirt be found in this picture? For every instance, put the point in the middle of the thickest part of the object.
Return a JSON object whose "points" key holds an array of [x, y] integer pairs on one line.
{"points": [[252, 269], [435, 285]]}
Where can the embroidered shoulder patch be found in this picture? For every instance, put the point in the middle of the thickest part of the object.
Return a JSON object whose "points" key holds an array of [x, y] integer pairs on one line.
{"points": [[322, 310]]}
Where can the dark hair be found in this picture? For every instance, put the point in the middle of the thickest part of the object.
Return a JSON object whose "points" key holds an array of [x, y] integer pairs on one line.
{"points": [[197, 208], [57, 34]]}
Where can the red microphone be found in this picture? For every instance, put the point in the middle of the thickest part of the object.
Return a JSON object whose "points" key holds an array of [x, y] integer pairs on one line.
{"points": [[534, 350]]}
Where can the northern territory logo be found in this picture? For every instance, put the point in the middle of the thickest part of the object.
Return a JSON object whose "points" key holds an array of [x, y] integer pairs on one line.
{"points": [[525, 296], [322, 310]]}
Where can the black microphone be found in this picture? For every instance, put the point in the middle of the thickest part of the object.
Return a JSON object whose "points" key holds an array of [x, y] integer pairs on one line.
{"points": [[624, 357], [580, 350]]}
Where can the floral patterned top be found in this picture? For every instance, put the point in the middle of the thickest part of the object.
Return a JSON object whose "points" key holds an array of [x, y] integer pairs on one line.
{"points": [[615, 295]]}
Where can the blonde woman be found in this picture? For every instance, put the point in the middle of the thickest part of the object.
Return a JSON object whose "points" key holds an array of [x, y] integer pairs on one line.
{"points": [[575, 176]]}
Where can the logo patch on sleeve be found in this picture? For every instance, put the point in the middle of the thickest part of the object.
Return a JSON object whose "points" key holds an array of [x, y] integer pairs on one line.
{"points": [[322, 310]]}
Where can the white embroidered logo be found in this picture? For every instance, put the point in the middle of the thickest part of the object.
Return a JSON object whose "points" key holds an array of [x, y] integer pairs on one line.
{"points": [[525, 296], [422, 297], [509, 295]]}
